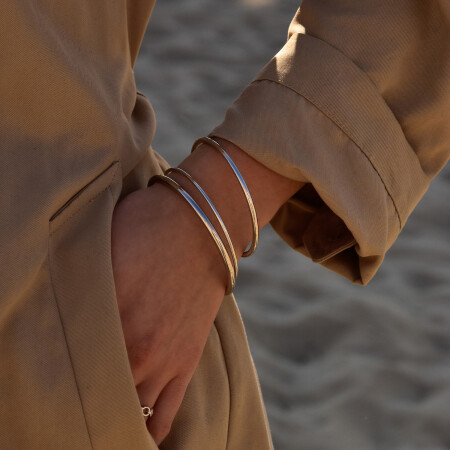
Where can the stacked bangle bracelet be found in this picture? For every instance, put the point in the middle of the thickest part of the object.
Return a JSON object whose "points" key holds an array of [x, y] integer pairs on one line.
{"points": [[229, 258], [204, 218], [207, 140], [214, 210]]}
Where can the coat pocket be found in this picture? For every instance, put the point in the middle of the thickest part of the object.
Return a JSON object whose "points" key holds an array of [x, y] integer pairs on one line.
{"points": [[83, 285], [87, 194]]}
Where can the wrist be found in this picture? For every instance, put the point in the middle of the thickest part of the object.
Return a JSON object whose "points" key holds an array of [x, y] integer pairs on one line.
{"points": [[170, 232], [214, 175]]}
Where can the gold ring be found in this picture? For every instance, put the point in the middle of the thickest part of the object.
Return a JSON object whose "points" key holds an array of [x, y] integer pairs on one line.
{"points": [[147, 412]]}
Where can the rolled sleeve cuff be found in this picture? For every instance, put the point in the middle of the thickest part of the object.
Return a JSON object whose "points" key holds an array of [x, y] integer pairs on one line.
{"points": [[313, 116]]}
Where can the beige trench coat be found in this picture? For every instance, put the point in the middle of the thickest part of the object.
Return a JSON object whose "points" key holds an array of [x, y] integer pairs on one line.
{"points": [[357, 104]]}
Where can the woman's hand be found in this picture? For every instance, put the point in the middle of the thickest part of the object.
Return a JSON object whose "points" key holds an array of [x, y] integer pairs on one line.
{"points": [[169, 275], [170, 282]]}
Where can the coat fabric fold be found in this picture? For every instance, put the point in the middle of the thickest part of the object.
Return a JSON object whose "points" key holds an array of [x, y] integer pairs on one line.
{"points": [[356, 104]]}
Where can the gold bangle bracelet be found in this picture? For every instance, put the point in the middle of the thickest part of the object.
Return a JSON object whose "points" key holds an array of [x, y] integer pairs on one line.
{"points": [[176, 187], [214, 210], [209, 141]]}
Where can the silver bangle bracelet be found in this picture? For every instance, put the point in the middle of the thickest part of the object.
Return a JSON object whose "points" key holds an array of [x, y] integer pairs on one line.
{"points": [[209, 141], [214, 210], [177, 188]]}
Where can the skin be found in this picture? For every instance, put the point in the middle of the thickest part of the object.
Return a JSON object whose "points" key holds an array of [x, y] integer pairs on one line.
{"points": [[170, 278]]}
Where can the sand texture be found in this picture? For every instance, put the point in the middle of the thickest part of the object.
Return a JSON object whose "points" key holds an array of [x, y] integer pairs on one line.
{"points": [[341, 367]]}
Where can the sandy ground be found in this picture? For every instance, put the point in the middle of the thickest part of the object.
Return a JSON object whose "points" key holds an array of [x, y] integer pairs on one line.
{"points": [[341, 367]]}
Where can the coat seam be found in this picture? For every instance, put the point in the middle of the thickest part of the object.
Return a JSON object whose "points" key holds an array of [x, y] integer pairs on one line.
{"points": [[55, 229], [229, 386], [68, 348], [343, 129]]}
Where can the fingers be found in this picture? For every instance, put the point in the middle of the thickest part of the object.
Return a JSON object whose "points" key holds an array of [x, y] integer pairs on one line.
{"points": [[165, 407], [148, 394]]}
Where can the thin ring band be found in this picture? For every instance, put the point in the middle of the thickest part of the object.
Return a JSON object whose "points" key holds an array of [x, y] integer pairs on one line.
{"points": [[176, 187], [147, 412], [207, 140], [214, 210]]}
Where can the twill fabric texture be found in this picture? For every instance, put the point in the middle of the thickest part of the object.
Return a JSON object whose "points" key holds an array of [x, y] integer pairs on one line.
{"points": [[356, 104]]}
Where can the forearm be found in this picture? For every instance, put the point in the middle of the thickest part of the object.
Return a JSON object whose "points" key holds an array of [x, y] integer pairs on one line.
{"points": [[268, 189], [169, 280]]}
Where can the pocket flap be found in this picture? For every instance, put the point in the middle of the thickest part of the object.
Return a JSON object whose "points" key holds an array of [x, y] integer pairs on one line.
{"points": [[85, 195]]}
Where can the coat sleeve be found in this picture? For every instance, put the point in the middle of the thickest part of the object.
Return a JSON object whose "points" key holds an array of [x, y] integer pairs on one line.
{"points": [[357, 104]]}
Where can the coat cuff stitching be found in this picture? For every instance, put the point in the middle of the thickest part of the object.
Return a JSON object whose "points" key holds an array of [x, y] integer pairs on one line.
{"points": [[342, 127]]}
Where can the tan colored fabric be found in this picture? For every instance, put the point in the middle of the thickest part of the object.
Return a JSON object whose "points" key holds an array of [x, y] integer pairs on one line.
{"points": [[357, 103], [344, 106], [76, 136]]}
